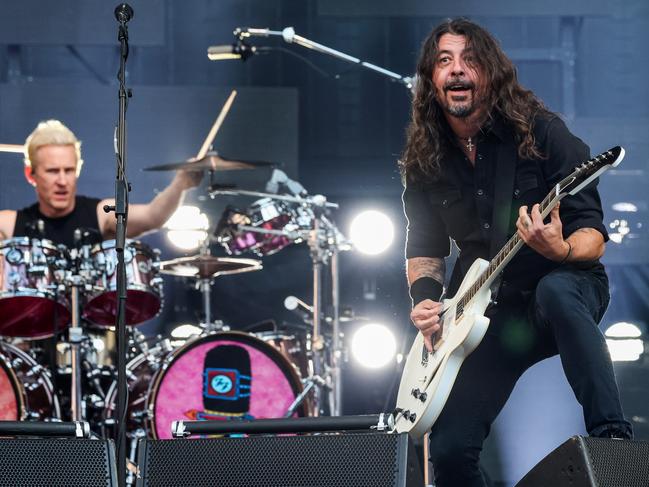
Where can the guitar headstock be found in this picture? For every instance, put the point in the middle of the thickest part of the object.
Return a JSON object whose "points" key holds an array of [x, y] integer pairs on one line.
{"points": [[591, 169]]}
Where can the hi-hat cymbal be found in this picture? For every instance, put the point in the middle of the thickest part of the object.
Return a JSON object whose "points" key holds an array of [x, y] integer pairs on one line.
{"points": [[211, 162], [208, 266]]}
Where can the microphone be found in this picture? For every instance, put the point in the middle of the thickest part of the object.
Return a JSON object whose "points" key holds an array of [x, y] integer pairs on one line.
{"points": [[123, 13], [279, 179], [242, 32], [291, 303], [239, 50]]}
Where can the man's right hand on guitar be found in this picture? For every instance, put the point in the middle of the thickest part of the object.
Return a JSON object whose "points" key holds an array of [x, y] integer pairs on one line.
{"points": [[425, 316]]}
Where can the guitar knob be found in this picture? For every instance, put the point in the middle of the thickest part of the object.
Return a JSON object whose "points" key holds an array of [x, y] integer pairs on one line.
{"points": [[412, 417], [422, 397], [415, 393]]}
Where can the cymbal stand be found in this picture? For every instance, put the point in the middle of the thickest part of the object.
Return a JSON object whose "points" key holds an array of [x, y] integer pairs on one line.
{"points": [[75, 335], [325, 242]]}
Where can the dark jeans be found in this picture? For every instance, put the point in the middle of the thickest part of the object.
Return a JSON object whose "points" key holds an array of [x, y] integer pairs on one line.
{"points": [[560, 317]]}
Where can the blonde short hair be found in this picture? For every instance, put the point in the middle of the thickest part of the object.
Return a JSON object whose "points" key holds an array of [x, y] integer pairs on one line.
{"points": [[51, 132]]}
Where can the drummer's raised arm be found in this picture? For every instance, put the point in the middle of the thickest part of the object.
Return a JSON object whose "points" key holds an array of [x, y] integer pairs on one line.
{"points": [[7, 223], [144, 218]]}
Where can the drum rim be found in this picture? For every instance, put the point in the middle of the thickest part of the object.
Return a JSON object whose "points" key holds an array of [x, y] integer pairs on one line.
{"points": [[110, 244], [284, 365], [28, 242]]}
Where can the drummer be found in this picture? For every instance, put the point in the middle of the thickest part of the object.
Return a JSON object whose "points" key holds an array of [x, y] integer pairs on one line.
{"points": [[52, 166]]}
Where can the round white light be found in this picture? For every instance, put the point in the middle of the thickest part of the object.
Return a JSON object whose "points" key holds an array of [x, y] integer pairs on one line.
{"points": [[371, 232], [187, 227], [185, 331], [374, 346], [623, 330], [625, 349]]}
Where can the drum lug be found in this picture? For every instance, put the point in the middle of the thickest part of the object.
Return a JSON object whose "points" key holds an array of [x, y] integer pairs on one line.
{"points": [[17, 362], [31, 386], [14, 279], [32, 415], [34, 370]]}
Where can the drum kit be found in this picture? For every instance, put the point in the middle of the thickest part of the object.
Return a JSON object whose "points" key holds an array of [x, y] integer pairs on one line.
{"points": [[57, 312]]}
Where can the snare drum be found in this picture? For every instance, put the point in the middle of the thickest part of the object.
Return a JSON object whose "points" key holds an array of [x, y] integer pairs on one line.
{"points": [[265, 214], [26, 391], [220, 376], [32, 301], [144, 286]]}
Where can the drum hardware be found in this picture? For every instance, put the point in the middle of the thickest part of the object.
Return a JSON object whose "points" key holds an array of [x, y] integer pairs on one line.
{"points": [[204, 267], [325, 241], [75, 337], [309, 383]]}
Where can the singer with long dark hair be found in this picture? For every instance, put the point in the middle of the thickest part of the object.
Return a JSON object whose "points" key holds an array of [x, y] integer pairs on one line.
{"points": [[473, 123]]}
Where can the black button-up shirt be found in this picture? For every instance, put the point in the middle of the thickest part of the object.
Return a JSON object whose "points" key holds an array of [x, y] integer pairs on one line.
{"points": [[459, 205]]}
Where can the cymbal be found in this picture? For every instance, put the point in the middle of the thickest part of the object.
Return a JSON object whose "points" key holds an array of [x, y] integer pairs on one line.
{"points": [[208, 266], [211, 162]]}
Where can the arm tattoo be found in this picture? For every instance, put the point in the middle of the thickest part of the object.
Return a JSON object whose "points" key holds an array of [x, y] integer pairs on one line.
{"points": [[434, 267]]}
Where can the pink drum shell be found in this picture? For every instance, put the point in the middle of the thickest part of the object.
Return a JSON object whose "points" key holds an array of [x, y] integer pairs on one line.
{"points": [[178, 387], [144, 288], [30, 305]]}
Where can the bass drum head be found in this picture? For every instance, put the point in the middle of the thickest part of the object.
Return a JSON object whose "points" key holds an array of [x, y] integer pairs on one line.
{"points": [[223, 376]]}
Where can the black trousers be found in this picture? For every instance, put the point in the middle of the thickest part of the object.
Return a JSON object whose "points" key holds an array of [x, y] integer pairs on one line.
{"points": [[561, 316]]}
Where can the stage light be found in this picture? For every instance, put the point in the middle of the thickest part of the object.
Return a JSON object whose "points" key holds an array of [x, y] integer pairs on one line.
{"points": [[624, 341], [625, 207], [185, 331], [374, 346], [371, 232], [187, 227]]}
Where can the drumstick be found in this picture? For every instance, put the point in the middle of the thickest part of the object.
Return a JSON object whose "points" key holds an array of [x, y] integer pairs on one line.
{"points": [[217, 125], [17, 148]]}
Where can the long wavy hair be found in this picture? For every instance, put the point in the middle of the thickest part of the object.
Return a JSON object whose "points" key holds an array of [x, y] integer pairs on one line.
{"points": [[428, 134]]}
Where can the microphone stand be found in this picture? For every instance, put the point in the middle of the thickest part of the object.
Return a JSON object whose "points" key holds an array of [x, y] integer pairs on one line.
{"points": [[123, 13], [290, 37]]}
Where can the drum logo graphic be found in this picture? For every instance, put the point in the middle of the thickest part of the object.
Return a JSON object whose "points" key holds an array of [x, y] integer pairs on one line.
{"points": [[227, 380], [226, 384]]}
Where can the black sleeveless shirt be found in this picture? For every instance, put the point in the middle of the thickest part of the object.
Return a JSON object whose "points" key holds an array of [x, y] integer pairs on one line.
{"points": [[61, 230]]}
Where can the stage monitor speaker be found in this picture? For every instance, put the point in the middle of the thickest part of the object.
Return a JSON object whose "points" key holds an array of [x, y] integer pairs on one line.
{"points": [[36, 462], [323, 460], [592, 462]]}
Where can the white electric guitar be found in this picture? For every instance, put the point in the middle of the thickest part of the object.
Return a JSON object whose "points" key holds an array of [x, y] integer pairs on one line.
{"points": [[428, 377]]}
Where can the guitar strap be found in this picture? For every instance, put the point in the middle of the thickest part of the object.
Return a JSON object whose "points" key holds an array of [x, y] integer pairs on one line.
{"points": [[503, 191]]}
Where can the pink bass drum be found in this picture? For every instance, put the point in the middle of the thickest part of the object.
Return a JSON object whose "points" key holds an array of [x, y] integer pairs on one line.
{"points": [[31, 278], [26, 392], [222, 376], [144, 288]]}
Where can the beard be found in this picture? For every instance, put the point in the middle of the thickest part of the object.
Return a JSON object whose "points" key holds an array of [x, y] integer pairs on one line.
{"points": [[459, 109]]}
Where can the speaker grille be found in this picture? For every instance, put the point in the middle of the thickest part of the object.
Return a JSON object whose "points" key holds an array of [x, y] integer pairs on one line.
{"points": [[619, 463], [359, 460], [55, 463]]}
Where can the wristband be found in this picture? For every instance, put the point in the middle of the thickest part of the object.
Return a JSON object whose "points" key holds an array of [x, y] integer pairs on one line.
{"points": [[568, 254], [425, 288]]}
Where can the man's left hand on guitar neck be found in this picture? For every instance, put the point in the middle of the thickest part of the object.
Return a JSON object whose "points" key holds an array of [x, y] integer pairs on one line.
{"points": [[547, 239]]}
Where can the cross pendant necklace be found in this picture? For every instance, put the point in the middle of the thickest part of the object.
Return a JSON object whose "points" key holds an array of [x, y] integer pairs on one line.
{"points": [[469, 144]]}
